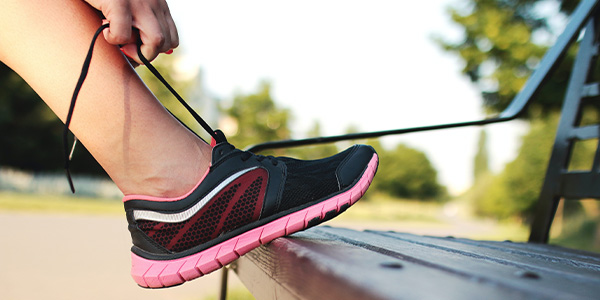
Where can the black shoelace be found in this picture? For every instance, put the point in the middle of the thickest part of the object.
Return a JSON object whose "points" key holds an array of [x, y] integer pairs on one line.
{"points": [[84, 71]]}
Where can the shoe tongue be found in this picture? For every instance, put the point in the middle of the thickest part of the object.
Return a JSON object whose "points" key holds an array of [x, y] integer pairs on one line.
{"points": [[220, 138]]}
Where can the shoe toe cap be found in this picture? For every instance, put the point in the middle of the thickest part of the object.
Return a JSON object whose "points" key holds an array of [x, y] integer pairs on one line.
{"points": [[353, 166]]}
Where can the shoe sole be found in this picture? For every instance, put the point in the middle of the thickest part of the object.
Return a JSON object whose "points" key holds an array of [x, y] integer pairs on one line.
{"points": [[165, 273]]}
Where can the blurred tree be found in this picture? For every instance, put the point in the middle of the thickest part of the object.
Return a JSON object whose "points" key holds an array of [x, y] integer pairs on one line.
{"points": [[481, 164], [31, 136], [405, 172], [316, 151], [258, 119], [503, 42], [482, 176], [514, 192]]}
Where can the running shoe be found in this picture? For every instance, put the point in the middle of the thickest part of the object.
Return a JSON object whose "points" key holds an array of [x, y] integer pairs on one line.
{"points": [[243, 201]]}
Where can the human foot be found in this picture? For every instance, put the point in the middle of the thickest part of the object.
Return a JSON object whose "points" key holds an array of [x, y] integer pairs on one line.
{"points": [[243, 201]]}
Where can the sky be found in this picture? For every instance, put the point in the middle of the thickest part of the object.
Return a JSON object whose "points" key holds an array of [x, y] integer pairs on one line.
{"points": [[373, 65]]}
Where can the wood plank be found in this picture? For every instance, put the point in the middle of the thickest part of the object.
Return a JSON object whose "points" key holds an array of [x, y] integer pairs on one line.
{"points": [[503, 255], [333, 263], [549, 277], [289, 269], [576, 256]]}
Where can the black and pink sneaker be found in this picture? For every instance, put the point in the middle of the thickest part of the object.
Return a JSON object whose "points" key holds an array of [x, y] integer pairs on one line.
{"points": [[243, 201]]}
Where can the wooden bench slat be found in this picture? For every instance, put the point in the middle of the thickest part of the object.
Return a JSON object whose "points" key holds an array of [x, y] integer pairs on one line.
{"points": [[576, 256], [524, 258], [316, 267], [334, 263], [486, 265]]}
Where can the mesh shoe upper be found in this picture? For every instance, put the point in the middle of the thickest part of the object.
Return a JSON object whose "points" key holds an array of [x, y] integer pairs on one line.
{"points": [[308, 181], [241, 190]]}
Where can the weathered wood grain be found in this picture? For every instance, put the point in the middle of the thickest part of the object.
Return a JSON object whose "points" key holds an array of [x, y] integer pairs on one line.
{"points": [[336, 263]]}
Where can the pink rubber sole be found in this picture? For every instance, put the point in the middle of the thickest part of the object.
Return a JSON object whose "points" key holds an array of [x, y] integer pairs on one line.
{"points": [[165, 273]]}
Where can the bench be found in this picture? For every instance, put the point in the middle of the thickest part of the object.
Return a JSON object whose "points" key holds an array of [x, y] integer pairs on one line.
{"points": [[338, 263]]}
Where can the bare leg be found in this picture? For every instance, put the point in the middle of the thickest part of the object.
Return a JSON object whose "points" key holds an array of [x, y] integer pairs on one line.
{"points": [[143, 149]]}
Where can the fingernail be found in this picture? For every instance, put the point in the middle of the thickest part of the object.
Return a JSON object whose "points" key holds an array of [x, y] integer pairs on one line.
{"points": [[169, 51], [123, 51]]}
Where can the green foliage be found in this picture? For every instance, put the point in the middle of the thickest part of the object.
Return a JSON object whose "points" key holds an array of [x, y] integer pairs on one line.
{"points": [[482, 176], [237, 293], [405, 172], [481, 164], [31, 202], [316, 151], [258, 119], [383, 208], [31, 136], [514, 192], [499, 50], [577, 225]]}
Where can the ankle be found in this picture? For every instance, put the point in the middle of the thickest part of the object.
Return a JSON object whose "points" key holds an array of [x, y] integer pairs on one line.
{"points": [[168, 178], [166, 184], [171, 187]]}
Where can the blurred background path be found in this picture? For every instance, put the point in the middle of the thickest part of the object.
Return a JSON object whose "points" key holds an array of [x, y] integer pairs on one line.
{"points": [[66, 256]]}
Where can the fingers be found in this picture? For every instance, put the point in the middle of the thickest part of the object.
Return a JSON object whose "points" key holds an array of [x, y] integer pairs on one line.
{"points": [[120, 18], [172, 31], [153, 35], [156, 28]]}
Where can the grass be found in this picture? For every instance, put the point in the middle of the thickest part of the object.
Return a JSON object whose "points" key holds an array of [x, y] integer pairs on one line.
{"points": [[10, 201], [584, 238], [382, 208], [511, 231], [234, 293], [579, 231]]}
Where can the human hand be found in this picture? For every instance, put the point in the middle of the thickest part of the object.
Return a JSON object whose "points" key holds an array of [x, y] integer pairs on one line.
{"points": [[152, 19]]}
